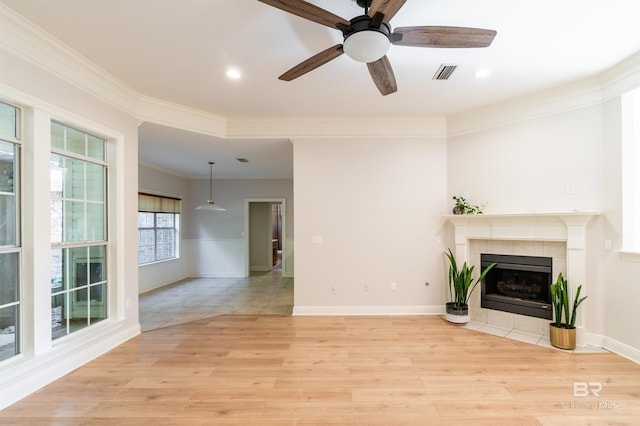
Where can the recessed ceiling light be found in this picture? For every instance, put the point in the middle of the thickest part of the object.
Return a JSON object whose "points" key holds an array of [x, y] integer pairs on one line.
{"points": [[483, 73], [233, 73]]}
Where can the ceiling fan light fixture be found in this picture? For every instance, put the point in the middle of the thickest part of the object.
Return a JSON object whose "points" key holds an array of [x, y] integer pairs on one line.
{"points": [[366, 45]]}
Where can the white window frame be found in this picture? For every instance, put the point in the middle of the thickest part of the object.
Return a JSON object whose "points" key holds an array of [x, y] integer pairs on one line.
{"points": [[631, 176], [17, 247], [70, 293]]}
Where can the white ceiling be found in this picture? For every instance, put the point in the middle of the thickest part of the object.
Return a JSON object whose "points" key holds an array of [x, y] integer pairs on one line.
{"points": [[180, 50]]}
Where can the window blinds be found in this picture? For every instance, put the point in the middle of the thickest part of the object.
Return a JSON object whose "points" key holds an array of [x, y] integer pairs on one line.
{"points": [[158, 204]]}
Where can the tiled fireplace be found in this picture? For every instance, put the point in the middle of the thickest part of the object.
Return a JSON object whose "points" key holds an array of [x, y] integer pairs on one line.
{"points": [[559, 236]]}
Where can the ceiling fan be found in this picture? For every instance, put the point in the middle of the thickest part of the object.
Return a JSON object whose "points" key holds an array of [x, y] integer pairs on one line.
{"points": [[367, 38]]}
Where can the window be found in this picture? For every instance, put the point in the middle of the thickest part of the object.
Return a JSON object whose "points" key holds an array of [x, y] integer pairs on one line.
{"points": [[78, 230], [158, 228], [10, 314], [631, 171]]}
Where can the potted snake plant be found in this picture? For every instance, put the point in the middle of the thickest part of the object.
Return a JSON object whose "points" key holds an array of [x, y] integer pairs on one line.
{"points": [[461, 285], [562, 332]]}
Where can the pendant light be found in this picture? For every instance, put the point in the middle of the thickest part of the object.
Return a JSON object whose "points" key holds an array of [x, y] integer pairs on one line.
{"points": [[210, 205]]}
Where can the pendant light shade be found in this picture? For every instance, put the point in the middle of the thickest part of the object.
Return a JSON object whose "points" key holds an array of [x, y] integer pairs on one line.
{"points": [[210, 205]]}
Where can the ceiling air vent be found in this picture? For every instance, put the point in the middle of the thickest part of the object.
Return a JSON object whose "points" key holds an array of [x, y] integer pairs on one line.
{"points": [[444, 72]]}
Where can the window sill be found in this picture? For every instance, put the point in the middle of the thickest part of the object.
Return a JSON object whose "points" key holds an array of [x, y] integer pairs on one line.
{"points": [[158, 262], [629, 256]]}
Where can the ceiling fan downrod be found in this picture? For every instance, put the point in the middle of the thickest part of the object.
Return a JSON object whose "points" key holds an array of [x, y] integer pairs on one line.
{"points": [[365, 4]]}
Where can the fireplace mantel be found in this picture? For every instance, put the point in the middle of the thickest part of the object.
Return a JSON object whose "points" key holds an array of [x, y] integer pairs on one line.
{"points": [[568, 227]]}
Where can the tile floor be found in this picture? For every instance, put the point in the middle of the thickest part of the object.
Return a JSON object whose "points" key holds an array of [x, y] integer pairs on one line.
{"points": [[197, 298], [522, 336]]}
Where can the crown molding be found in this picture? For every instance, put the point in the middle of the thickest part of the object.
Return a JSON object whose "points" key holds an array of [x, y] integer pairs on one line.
{"points": [[170, 114], [337, 126], [608, 85], [621, 78], [570, 97], [31, 43]]}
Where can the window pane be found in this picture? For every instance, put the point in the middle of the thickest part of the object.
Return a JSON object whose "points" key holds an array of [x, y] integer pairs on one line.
{"points": [[57, 270], [57, 135], [8, 332], [56, 220], [146, 245], [98, 306], [165, 244], [59, 315], [8, 120], [7, 166], [74, 183], [95, 148], [145, 220], [95, 182], [98, 271], [8, 199], [76, 141], [78, 257], [9, 278], [78, 310], [74, 221], [95, 222], [164, 220], [8, 221]]}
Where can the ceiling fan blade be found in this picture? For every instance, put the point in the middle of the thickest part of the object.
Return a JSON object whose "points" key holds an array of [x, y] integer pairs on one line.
{"points": [[387, 7], [382, 76], [308, 11], [313, 62], [443, 37]]}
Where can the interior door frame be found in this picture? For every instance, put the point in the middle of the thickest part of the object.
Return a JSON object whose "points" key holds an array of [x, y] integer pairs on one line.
{"points": [[247, 252]]}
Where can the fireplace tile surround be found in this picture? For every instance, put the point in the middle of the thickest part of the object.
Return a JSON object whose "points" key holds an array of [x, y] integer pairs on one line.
{"points": [[561, 236]]}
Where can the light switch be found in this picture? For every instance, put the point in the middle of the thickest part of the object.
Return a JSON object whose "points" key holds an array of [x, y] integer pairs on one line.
{"points": [[316, 239]]}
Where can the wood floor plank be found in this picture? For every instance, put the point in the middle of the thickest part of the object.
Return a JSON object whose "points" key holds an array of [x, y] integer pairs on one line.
{"points": [[283, 370]]}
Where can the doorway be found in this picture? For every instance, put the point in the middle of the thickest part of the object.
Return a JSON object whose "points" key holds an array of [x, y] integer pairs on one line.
{"points": [[265, 234]]}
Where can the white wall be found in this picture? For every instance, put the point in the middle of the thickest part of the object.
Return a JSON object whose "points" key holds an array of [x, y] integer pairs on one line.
{"points": [[157, 182], [215, 240], [369, 212], [526, 166]]}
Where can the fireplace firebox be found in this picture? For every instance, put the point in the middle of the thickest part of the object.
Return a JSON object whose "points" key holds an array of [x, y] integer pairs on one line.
{"points": [[517, 284]]}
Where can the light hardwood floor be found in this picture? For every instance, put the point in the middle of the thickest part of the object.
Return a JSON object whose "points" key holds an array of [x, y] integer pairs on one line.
{"points": [[284, 370]]}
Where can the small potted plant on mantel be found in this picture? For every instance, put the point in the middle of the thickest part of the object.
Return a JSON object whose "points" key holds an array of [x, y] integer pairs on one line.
{"points": [[462, 206], [562, 334], [461, 285]]}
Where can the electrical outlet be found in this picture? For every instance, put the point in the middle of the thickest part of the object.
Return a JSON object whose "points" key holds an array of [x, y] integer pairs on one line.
{"points": [[365, 287], [607, 244], [333, 290], [394, 286]]}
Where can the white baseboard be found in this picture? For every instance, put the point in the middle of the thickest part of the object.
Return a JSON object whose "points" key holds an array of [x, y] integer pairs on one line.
{"points": [[368, 310], [621, 349]]}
